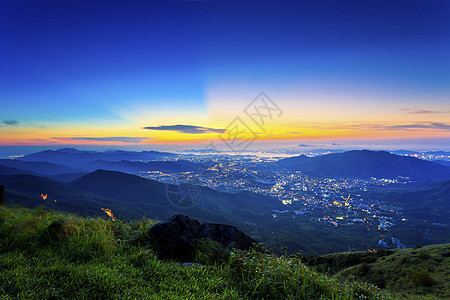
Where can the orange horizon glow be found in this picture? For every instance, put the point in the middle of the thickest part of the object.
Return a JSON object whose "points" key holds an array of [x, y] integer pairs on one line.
{"points": [[313, 118], [170, 137]]}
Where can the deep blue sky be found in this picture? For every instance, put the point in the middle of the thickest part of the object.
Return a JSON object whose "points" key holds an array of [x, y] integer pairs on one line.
{"points": [[69, 61]]}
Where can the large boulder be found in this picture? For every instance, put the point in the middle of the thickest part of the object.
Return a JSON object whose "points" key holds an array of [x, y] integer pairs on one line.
{"points": [[175, 238], [227, 236]]}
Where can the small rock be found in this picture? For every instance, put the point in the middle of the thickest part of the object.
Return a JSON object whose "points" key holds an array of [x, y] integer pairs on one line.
{"points": [[190, 264], [446, 254]]}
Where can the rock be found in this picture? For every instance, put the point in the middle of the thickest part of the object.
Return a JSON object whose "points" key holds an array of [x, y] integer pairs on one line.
{"points": [[445, 254], [175, 238], [192, 264], [2, 194], [227, 236]]}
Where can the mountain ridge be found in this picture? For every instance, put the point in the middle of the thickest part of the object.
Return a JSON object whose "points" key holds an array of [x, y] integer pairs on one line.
{"points": [[76, 158], [366, 164], [40, 167]]}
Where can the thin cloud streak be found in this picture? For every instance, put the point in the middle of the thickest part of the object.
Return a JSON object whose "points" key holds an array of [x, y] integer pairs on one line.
{"points": [[439, 126], [189, 129], [409, 111]]}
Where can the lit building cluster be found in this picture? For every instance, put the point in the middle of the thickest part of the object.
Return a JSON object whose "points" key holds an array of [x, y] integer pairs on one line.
{"points": [[336, 201]]}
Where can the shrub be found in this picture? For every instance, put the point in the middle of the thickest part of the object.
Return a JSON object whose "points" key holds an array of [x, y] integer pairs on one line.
{"points": [[58, 231], [209, 252], [423, 255], [422, 278], [363, 269]]}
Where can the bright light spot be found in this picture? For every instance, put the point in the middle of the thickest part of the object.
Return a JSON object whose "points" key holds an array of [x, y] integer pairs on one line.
{"points": [[109, 213]]}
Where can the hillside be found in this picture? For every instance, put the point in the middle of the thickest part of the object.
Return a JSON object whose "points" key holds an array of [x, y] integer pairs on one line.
{"points": [[421, 272], [74, 258], [431, 203], [14, 171], [366, 164], [160, 200], [133, 197], [26, 190], [443, 162]]}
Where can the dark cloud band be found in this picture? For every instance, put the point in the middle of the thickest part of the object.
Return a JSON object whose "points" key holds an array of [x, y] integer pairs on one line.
{"points": [[10, 122]]}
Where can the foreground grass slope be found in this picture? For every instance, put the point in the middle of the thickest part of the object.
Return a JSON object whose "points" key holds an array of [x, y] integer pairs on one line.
{"points": [[46, 254], [418, 272]]}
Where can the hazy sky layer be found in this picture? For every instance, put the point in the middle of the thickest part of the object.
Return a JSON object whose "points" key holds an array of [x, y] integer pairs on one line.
{"points": [[180, 74]]}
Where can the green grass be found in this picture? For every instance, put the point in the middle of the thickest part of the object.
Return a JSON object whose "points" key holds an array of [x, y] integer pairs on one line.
{"points": [[409, 273], [47, 254]]}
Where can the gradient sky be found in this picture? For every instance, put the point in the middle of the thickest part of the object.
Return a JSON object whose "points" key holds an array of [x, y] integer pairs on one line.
{"points": [[155, 74]]}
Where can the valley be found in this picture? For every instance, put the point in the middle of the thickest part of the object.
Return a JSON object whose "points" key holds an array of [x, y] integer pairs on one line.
{"points": [[276, 205]]}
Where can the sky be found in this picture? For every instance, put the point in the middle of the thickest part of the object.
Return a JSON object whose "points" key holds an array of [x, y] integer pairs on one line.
{"points": [[225, 74]]}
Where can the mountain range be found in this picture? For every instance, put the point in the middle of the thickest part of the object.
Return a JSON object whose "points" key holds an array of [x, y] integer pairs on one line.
{"points": [[133, 197], [59, 164], [366, 164], [76, 158], [86, 191]]}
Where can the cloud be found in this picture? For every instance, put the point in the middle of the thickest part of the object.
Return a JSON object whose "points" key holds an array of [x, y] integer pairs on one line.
{"points": [[409, 111], [419, 126], [186, 129], [405, 127], [10, 122], [384, 126], [122, 139], [305, 145]]}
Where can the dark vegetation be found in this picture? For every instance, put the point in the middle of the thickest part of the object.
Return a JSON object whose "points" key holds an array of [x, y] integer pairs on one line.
{"points": [[425, 204], [423, 271]]}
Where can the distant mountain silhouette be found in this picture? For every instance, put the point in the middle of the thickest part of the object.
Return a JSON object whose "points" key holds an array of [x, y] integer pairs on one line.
{"points": [[45, 168], [366, 164], [76, 158], [136, 166]]}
